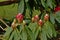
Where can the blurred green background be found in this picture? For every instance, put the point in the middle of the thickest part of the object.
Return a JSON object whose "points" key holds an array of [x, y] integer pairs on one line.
{"points": [[3, 0], [8, 11]]}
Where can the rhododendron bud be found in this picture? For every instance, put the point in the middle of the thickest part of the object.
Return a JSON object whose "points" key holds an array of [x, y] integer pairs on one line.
{"points": [[24, 23], [13, 25], [36, 18], [46, 17], [19, 17], [33, 19], [40, 22], [57, 9]]}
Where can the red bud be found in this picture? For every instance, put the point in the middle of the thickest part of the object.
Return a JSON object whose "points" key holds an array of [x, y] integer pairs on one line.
{"points": [[19, 17], [24, 23], [46, 17], [40, 22], [57, 9], [13, 25], [36, 18], [33, 19]]}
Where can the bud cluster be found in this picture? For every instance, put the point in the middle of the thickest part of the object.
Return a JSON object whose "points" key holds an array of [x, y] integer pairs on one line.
{"points": [[40, 22]]}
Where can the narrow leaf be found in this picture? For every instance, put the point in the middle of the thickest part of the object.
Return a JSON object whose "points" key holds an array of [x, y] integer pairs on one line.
{"points": [[52, 19], [21, 6]]}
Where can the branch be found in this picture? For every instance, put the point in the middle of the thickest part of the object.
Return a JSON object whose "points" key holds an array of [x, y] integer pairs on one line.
{"points": [[8, 2], [3, 22], [2, 28]]}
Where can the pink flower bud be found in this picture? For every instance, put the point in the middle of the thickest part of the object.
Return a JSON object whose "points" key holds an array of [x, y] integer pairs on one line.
{"points": [[40, 23], [19, 17], [46, 17], [36, 18]]}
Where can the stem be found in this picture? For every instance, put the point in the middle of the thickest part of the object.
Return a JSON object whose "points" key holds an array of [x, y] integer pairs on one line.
{"points": [[8, 2], [2, 28], [3, 22]]}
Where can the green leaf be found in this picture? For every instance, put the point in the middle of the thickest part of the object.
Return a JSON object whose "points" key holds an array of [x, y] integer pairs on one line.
{"points": [[36, 12], [48, 29], [30, 34], [46, 32], [8, 11], [54, 31], [42, 16], [53, 3], [27, 14], [12, 35], [24, 35], [21, 6], [27, 21], [43, 35], [20, 28], [34, 30], [33, 26], [26, 0], [52, 19], [49, 3], [35, 1], [2, 0], [8, 32], [57, 16], [37, 32], [43, 3], [16, 34]]}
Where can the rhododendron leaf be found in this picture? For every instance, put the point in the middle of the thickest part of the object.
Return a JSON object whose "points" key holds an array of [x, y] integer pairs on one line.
{"points": [[26, 0], [28, 12], [12, 35], [24, 35], [21, 6], [43, 35], [16, 34], [37, 32], [52, 19], [30, 34], [8, 32], [49, 3], [33, 26], [57, 16]]}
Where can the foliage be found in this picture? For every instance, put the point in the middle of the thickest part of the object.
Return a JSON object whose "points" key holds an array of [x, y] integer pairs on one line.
{"points": [[2, 0], [8, 11], [29, 30]]}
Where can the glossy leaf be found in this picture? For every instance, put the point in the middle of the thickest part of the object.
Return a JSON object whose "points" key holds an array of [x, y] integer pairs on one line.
{"points": [[30, 33], [36, 12], [54, 32], [37, 32], [27, 14], [57, 16], [43, 35], [49, 3], [12, 35], [33, 26], [21, 6], [24, 35], [8, 11], [52, 19], [26, 0], [16, 34], [43, 3], [8, 32], [48, 28]]}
